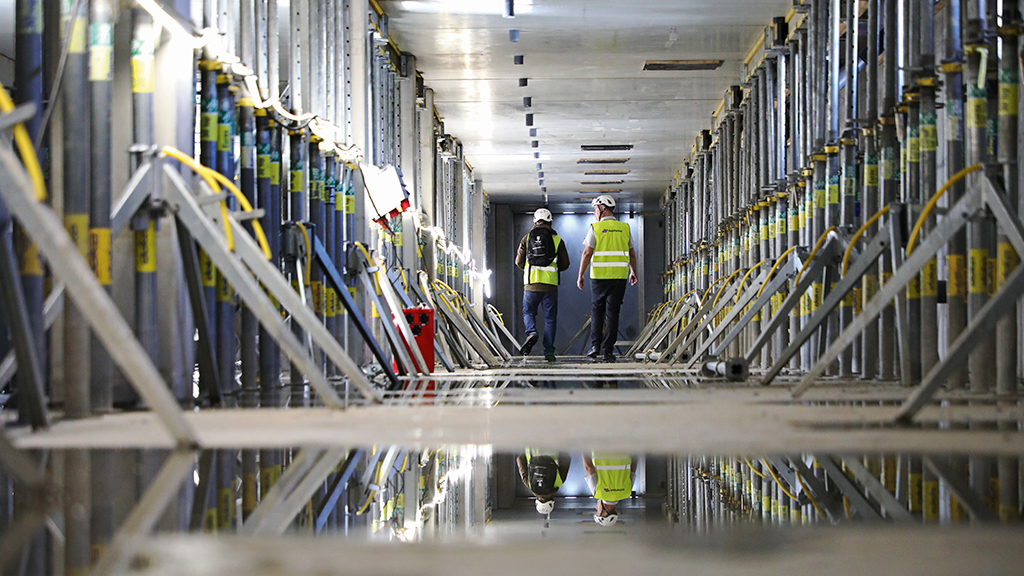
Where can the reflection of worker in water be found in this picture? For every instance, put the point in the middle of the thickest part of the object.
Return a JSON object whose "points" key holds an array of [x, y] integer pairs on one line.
{"points": [[543, 473], [610, 476]]}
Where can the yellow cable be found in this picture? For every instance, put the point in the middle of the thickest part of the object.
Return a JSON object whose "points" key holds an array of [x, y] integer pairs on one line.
{"points": [[305, 234], [849, 249], [724, 286], [204, 173], [713, 284], [810, 496], [25, 148], [752, 469], [933, 201], [817, 246], [257, 228], [779, 482], [774, 268], [746, 276]]}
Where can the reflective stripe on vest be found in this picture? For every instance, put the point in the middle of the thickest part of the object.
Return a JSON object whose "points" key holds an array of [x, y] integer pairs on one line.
{"points": [[611, 250], [543, 274], [530, 452], [613, 476]]}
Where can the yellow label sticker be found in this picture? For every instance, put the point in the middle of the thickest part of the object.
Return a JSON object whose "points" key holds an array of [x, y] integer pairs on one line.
{"points": [[295, 181], [223, 289], [1008, 260], [268, 477], [930, 279], [819, 196], [77, 226], [977, 113], [888, 170], [145, 249], [977, 271], [914, 145], [871, 175], [99, 254], [318, 297], [77, 44], [350, 204], [957, 276], [248, 493], [224, 138], [29, 261], [914, 493], [833, 194], [869, 287], [225, 507], [263, 166], [208, 127], [886, 276], [331, 305], [207, 272], [929, 138], [275, 173], [143, 75], [990, 275], [101, 52], [1009, 99], [914, 288]]}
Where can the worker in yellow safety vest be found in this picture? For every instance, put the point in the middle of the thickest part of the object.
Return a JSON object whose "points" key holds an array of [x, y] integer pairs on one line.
{"points": [[541, 255], [610, 476], [610, 246], [543, 472]]}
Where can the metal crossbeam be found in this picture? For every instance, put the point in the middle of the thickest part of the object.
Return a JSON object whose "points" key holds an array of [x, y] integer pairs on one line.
{"points": [[52, 308], [857, 500], [204, 231], [355, 315], [672, 348], [417, 364], [338, 486], [91, 299], [749, 294], [400, 351], [820, 317], [782, 277], [966, 495], [283, 513], [815, 486], [281, 489], [704, 323], [133, 198], [876, 490]]}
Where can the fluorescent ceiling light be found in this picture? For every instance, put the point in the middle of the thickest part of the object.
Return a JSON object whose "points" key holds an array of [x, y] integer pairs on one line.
{"points": [[496, 7]]}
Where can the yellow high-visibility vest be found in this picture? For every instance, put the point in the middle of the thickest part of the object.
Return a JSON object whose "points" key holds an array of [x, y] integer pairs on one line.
{"points": [[611, 250], [543, 274], [613, 476]]}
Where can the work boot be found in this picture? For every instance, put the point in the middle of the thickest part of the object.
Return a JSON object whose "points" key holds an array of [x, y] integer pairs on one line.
{"points": [[609, 358], [550, 356], [531, 339], [593, 353]]}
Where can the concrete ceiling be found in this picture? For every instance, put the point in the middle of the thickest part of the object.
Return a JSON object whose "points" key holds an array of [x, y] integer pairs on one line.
{"points": [[583, 60]]}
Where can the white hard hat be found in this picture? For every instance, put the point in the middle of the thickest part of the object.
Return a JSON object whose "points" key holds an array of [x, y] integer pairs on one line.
{"points": [[608, 520], [542, 215], [545, 507], [604, 200]]}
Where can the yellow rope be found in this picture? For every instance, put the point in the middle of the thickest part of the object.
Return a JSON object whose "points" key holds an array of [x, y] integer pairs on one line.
{"points": [[779, 482], [305, 234], [746, 276], [810, 496], [933, 201], [774, 268], [25, 148], [817, 246], [849, 249], [204, 173], [752, 469]]}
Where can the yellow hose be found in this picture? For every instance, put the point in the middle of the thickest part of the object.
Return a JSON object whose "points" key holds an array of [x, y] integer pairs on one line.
{"points": [[746, 276], [708, 291], [752, 469], [204, 173], [257, 228], [774, 268], [810, 496], [724, 286], [933, 201], [25, 148], [305, 234], [817, 246], [779, 482], [849, 249]]}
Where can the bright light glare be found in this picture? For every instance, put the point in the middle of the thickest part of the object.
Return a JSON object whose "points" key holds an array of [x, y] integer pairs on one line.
{"points": [[466, 6], [165, 20]]}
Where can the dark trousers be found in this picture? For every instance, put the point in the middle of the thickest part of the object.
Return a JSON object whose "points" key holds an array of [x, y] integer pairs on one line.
{"points": [[604, 314]]}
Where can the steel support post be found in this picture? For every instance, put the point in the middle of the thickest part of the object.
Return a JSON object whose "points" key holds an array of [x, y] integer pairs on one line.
{"points": [[890, 168], [300, 280], [1007, 258], [870, 202], [928, 143], [209, 132], [249, 325]]}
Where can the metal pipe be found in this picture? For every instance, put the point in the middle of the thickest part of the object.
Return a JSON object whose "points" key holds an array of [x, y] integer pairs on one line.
{"points": [[870, 200], [250, 367], [956, 287], [209, 132], [890, 168], [1007, 258], [928, 143], [296, 193]]}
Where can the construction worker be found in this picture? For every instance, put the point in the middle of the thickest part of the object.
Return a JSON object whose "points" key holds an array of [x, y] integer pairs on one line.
{"points": [[610, 477], [610, 245], [543, 473], [541, 255]]}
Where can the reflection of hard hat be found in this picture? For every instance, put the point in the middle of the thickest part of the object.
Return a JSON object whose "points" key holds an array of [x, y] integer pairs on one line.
{"points": [[542, 215], [608, 520], [604, 200], [545, 507]]}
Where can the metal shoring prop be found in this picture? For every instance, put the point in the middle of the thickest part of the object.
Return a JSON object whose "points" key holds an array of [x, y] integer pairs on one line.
{"points": [[967, 497], [583, 328], [415, 362], [673, 348], [685, 312], [876, 490], [769, 290], [465, 330], [738, 307], [90, 299], [300, 465], [797, 297], [726, 296], [280, 516], [241, 279], [848, 489], [338, 485], [981, 196], [52, 308], [333, 277]]}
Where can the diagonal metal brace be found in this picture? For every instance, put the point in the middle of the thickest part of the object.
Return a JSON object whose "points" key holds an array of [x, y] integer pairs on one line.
{"points": [[963, 491]]}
